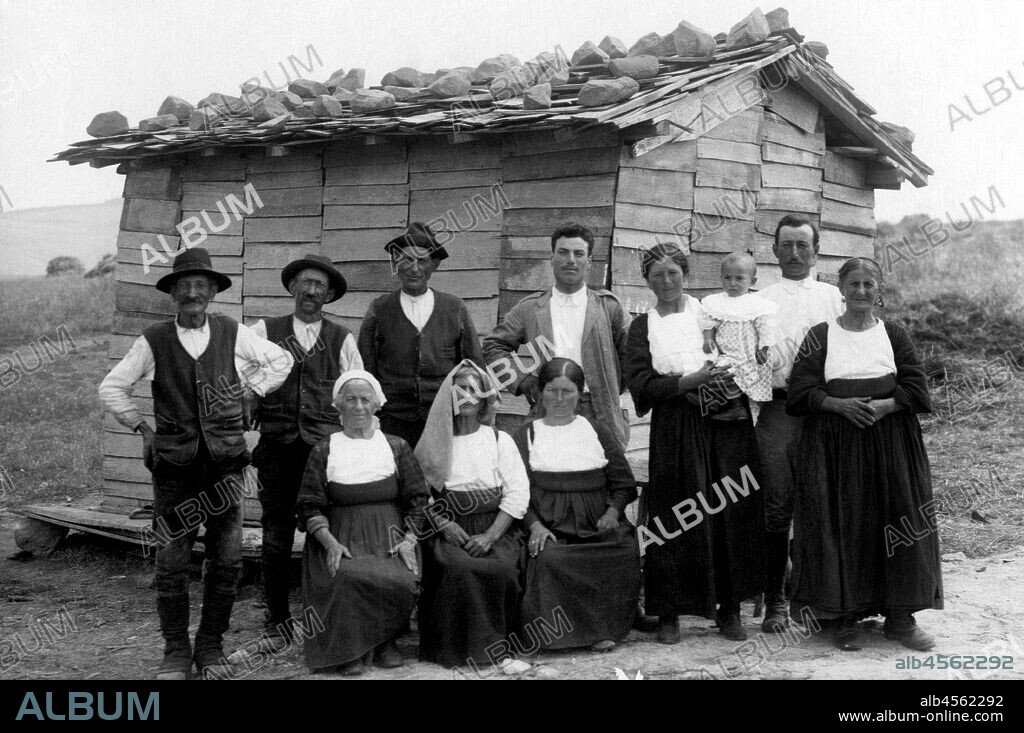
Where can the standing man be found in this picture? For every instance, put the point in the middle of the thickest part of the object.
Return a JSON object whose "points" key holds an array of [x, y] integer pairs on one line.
{"points": [[198, 363], [295, 417], [412, 338], [803, 302], [587, 326]]}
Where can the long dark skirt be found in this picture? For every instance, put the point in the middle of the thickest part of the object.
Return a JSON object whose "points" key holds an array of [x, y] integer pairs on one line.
{"points": [[372, 596], [584, 588], [469, 604], [710, 534], [864, 532]]}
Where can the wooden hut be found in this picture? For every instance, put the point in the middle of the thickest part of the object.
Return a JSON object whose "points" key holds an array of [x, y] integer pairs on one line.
{"points": [[709, 153]]}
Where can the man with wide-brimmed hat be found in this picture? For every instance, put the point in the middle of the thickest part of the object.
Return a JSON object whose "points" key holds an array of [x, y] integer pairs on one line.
{"points": [[412, 338], [200, 363], [296, 417]]}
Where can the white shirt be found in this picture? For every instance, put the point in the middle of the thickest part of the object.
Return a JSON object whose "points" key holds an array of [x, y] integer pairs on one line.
{"points": [[677, 344], [359, 460], [262, 366], [858, 354], [802, 304], [568, 315], [417, 308], [481, 462], [572, 447], [307, 335]]}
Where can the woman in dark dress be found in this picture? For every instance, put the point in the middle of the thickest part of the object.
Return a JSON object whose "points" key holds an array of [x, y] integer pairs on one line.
{"points": [[470, 600], [360, 488], [703, 539], [864, 530], [584, 562]]}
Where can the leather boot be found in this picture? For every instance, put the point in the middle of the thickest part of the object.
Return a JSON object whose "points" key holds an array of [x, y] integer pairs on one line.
{"points": [[215, 619], [776, 618], [173, 613]]}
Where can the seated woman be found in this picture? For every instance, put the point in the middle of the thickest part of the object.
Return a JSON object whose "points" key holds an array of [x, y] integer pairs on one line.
{"points": [[866, 473], [360, 488], [470, 600], [584, 561], [694, 560]]}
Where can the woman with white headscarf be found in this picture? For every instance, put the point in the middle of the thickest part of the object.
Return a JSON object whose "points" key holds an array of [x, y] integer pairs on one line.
{"points": [[470, 600], [362, 492]]}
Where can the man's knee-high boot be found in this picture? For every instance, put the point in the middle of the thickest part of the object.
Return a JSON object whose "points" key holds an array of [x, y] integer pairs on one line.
{"points": [[776, 619], [173, 613]]}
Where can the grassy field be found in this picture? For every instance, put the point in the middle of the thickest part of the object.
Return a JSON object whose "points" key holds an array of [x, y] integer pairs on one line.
{"points": [[962, 302]]}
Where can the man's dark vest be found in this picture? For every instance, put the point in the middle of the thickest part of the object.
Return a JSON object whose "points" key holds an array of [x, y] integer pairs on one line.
{"points": [[196, 398], [411, 365], [302, 406]]}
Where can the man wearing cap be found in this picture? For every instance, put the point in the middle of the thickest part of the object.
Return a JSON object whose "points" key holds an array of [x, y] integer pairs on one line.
{"points": [[586, 325], [296, 417], [412, 338], [199, 363]]}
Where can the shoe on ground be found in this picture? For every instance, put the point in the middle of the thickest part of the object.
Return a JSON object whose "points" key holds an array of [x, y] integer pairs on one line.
{"points": [[846, 634], [904, 629], [387, 655], [730, 626], [776, 617], [605, 645], [643, 623], [212, 664], [668, 630], [352, 669], [176, 665]]}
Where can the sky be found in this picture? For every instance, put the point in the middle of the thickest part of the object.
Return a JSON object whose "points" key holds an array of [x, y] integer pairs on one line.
{"points": [[63, 62]]}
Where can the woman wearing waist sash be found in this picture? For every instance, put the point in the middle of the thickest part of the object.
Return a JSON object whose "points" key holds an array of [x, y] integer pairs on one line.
{"points": [[470, 601], [864, 534], [583, 572], [361, 488]]}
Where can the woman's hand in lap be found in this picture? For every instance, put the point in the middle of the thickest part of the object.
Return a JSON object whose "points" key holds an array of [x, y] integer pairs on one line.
{"points": [[539, 536], [406, 550], [609, 520], [858, 410], [454, 534], [335, 552], [479, 545]]}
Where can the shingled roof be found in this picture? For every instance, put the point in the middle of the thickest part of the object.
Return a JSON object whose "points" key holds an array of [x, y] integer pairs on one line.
{"points": [[664, 108]]}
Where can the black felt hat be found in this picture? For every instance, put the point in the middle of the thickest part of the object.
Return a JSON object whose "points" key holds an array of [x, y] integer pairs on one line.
{"points": [[418, 235], [189, 262], [318, 262]]}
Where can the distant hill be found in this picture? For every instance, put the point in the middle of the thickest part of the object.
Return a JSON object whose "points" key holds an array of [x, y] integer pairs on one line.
{"points": [[30, 238]]}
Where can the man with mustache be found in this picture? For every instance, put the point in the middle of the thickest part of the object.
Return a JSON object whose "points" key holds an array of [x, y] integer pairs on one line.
{"points": [[585, 325], [412, 338], [200, 363], [295, 418], [803, 302]]}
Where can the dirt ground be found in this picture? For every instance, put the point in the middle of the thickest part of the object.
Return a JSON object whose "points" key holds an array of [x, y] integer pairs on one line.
{"points": [[87, 612]]}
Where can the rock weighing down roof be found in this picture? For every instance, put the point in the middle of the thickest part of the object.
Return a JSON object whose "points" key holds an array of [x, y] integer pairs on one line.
{"points": [[600, 84]]}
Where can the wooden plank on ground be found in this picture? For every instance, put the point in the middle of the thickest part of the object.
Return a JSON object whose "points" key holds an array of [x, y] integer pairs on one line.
{"points": [[738, 152], [782, 175], [153, 183], [367, 175], [848, 194], [574, 192], [712, 173], [360, 216], [794, 199], [680, 157], [560, 164], [776, 153], [283, 229], [730, 203], [150, 215], [847, 218], [656, 187]]}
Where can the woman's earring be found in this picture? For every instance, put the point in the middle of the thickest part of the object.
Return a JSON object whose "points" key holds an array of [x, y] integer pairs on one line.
{"points": [[879, 302]]}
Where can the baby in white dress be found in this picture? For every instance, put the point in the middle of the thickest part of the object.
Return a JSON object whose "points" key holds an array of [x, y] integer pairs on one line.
{"points": [[740, 324]]}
